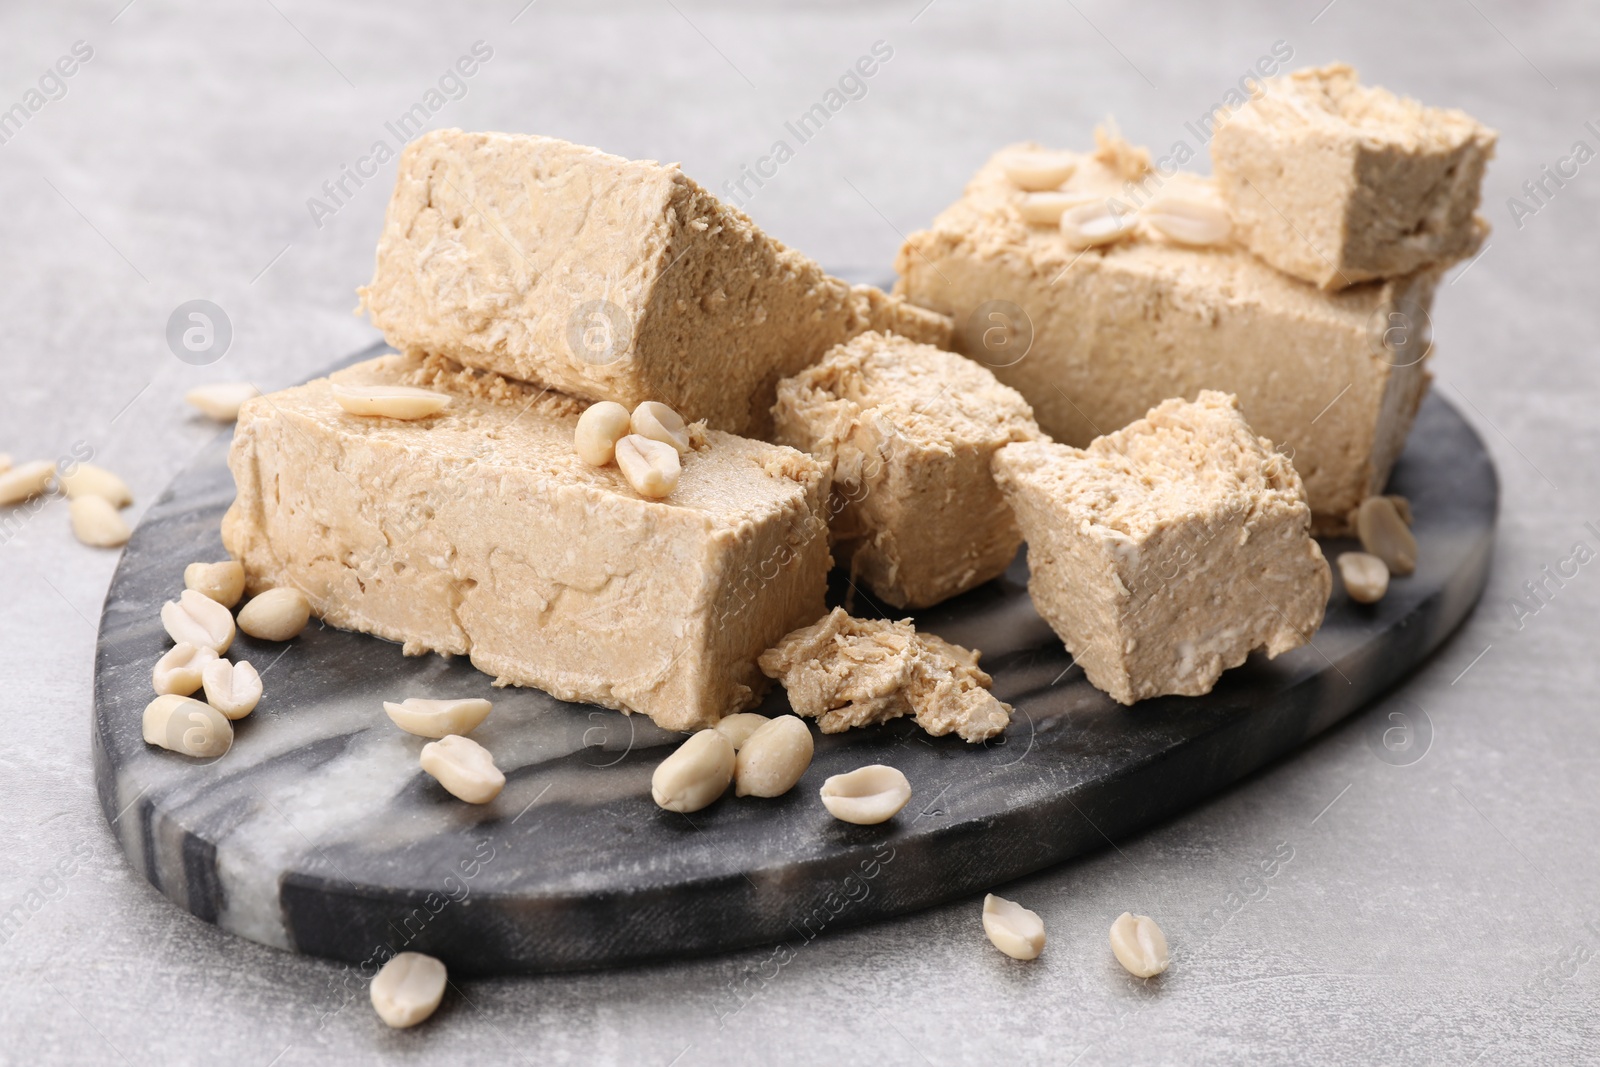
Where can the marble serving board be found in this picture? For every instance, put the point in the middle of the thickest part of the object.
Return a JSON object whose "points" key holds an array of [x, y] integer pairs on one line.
{"points": [[318, 832]]}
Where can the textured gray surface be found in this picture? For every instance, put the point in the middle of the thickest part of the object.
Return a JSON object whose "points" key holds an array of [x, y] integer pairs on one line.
{"points": [[1430, 913]]}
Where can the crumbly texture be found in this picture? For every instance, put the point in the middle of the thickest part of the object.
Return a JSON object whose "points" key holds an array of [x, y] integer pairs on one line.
{"points": [[1336, 182], [1118, 329], [908, 431], [606, 278], [1164, 553], [480, 532], [844, 672]]}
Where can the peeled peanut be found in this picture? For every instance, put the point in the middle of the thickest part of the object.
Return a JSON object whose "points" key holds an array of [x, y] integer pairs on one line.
{"points": [[198, 620], [773, 758], [464, 767], [1139, 945], [694, 775], [85, 479], [868, 795], [651, 467], [1045, 209], [402, 402], [95, 522], [1035, 169], [276, 615], [232, 688], [407, 989], [1366, 577], [1094, 223], [1013, 929], [180, 671], [438, 718], [1187, 218], [25, 482], [222, 582], [737, 728], [658, 422], [599, 429], [1384, 534], [187, 726], [222, 400]]}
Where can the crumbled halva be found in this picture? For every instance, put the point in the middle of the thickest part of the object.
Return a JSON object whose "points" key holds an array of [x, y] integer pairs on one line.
{"points": [[1337, 182], [480, 532], [1107, 332], [606, 278], [908, 431], [1165, 552], [844, 672]]}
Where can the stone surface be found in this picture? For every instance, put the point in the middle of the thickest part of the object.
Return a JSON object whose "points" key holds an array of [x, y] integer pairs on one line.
{"points": [[192, 142], [318, 832]]}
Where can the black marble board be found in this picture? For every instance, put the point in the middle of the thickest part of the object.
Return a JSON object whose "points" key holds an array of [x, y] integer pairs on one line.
{"points": [[318, 832]]}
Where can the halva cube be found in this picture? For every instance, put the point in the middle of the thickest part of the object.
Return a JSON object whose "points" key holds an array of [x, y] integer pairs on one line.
{"points": [[908, 431], [606, 278], [1337, 182], [1165, 552], [480, 532]]}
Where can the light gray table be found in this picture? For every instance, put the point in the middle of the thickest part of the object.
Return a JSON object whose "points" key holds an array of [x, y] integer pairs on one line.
{"points": [[1439, 912]]}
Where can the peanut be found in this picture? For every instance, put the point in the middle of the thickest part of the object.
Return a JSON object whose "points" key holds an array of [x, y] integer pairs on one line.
{"points": [[276, 615], [868, 795], [402, 402], [95, 522], [694, 775], [198, 620], [773, 758], [1139, 945]]}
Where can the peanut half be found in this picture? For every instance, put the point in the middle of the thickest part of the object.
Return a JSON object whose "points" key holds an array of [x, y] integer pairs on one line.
{"points": [[26, 482], [1045, 209], [1384, 534], [407, 989], [96, 523], [1013, 929], [402, 402], [658, 422], [179, 672], [86, 479], [868, 795], [1094, 223], [1139, 945], [599, 429], [694, 775], [222, 582], [651, 467], [275, 615], [438, 718], [198, 620], [773, 758], [1186, 218], [222, 400], [1033, 170], [464, 767], [1366, 577], [187, 726], [738, 727], [232, 688]]}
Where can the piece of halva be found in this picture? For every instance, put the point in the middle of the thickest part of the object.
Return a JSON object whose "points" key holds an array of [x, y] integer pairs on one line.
{"points": [[1337, 182], [1164, 553], [908, 431], [605, 278], [844, 672], [1095, 337], [480, 532]]}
